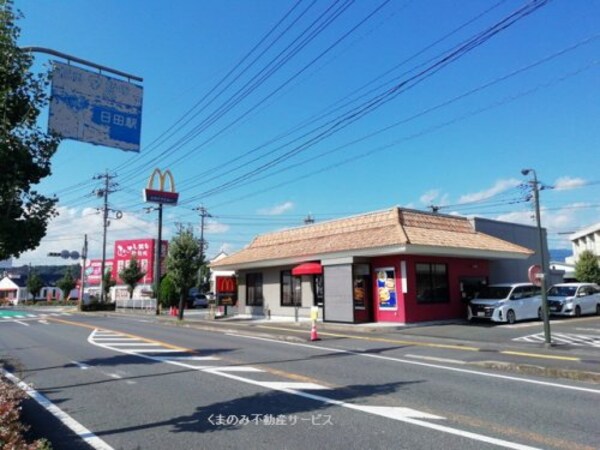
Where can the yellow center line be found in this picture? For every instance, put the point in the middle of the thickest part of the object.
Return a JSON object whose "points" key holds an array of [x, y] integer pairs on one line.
{"points": [[389, 341], [133, 336], [432, 345]]}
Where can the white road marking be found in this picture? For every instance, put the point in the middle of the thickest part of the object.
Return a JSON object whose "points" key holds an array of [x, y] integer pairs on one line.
{"points": [[142, 350], [406, 415], [82, 366], [430, 365], [44, 322], [114, 375], [232, 369], [109, 338], [292, 385], [21, 323], [195, 358], [81, 431], [135, 343], [593, 330], [433, 358], [564, 338]]}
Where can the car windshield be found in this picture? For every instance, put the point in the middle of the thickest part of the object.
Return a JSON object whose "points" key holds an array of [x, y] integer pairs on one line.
{"points": [[562, 291], [494, 292]]}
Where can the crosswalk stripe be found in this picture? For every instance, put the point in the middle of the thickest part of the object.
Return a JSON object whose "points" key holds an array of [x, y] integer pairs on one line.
{"points": [[579, 340]]}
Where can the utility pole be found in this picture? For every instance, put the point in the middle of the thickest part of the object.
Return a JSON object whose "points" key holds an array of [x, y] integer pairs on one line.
{"points": [[545, 312], [203, 216], [108, 187], [83, 258]]}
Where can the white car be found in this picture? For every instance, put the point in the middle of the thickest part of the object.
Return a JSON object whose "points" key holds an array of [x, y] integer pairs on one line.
{"points": [[507, 302], [574, 299]]}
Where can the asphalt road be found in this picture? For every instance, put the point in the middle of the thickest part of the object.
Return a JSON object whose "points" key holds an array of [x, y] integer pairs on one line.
{"points": [[133, 383]]}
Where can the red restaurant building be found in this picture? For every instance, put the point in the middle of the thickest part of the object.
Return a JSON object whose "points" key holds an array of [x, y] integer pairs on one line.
{"points": [[397, 265]]}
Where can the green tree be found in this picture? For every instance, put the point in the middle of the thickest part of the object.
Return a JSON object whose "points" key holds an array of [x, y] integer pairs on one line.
{"points": [[587, 269], [34, 285], [108, 282], [66, 284], [25, 150], [168, 292], [131, 275], [183, 263]]}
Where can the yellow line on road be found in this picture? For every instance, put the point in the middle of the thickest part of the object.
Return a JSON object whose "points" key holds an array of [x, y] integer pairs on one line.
{"points": [[389, 341], [133, 336], [540, 355], [278, 372], [431, 345]]}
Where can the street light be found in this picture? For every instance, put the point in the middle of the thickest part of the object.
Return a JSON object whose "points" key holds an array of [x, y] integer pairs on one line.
{"points": [[545, 311]]}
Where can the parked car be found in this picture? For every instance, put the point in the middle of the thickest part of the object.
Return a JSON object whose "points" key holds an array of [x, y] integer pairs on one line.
{"points": [[574, 299], [507, 302], [200, 301]]}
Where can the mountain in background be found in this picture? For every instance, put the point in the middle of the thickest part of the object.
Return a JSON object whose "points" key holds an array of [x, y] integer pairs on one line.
{"points": [[559, 254]]}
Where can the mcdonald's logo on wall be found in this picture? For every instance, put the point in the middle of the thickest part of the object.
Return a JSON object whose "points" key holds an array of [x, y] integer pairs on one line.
{"points": [[160, 194]]}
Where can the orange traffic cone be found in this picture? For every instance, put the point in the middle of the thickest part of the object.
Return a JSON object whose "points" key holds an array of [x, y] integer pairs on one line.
{"points": [[313, 332]]}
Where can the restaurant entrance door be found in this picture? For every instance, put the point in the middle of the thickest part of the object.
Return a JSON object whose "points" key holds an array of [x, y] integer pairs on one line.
{"points": [[362, 293]]}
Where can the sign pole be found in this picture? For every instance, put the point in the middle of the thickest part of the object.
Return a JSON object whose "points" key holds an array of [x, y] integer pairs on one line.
{"points": [[158, 258], [82, 282]]}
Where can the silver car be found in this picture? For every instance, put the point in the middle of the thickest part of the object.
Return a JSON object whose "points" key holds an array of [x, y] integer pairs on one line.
{"points": [[507, 303], [574, 299]]}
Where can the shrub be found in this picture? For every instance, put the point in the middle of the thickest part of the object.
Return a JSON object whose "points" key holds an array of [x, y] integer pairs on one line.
{"points": [[11, 428]]}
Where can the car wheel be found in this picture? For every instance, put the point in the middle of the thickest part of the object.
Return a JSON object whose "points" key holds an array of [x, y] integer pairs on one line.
{"points": [[578, 311], [540, 317], [511, 317], [598, 309]]}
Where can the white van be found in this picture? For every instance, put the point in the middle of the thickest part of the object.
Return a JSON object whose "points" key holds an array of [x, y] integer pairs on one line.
{"points": [[574, 299], [507, 302]]}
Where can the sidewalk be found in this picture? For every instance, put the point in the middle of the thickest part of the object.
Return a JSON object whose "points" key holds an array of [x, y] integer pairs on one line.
{"points": [[442, 341]]}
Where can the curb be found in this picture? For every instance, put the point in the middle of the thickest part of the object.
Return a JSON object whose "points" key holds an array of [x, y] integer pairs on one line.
{"points": [[542, 371]]}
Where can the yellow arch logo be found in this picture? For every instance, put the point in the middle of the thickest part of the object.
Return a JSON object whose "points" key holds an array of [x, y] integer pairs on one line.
{"points": [[162, 177]]}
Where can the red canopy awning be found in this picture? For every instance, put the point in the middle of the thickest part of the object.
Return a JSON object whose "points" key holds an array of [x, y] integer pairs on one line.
{"points": [[310, 268]]}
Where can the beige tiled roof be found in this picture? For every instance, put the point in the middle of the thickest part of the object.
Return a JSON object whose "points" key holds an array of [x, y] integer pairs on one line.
{"points": [[392, 227]]}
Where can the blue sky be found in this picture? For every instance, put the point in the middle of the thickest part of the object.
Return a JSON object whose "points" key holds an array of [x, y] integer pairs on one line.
{"points": [[301, 139]]}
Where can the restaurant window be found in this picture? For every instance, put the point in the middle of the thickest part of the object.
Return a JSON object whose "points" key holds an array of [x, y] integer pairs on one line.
{"points": [[254, 289], [291, 289], [432, 283]]}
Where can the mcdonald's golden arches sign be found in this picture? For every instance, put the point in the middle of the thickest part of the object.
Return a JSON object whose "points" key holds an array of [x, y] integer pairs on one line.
{"points": [[160, 194]]}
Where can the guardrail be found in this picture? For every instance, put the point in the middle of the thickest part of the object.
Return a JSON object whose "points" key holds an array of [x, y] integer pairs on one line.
{"points": [[148, 304]]}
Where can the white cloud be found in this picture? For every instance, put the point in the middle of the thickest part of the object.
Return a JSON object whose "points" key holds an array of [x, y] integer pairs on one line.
{"points": [[214, 227], [67, 230], [277, 209], [565, 183], [499, 187], [428, 197]]}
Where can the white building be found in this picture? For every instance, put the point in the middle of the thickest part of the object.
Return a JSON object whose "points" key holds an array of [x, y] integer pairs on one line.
{"points": [[586, 239]]}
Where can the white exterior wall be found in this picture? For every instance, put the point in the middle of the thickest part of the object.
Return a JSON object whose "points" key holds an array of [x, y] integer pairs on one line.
{"points": [[272, 295], [589, 241]]}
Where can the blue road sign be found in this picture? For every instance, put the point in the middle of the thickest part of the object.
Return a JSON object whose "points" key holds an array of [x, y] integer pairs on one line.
{"points": [[91, 107]]}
